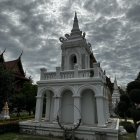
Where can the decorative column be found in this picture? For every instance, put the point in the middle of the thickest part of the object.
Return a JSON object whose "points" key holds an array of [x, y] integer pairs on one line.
{"points": [[107, 103], [56, 107], [86, 62], [100, 111], [66, 66], [39, 107], [96, 69], [58, 69], [48, 105], [77, 109], [42, 74], [76, 71], [108, 114]]}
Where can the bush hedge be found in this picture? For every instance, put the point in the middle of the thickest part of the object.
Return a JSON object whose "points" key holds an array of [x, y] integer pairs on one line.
{"points": [[128, 126], [12, 126]]}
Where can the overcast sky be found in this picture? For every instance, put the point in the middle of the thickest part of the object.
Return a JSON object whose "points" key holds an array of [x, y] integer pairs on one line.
{"points": [[34, 26]]}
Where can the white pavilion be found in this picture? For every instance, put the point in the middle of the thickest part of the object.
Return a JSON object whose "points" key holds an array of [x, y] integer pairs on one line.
{"points": [[76, 90]]}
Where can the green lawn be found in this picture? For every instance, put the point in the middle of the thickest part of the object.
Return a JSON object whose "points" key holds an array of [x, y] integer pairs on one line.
{"points": [[130, 136], [16, 136]]}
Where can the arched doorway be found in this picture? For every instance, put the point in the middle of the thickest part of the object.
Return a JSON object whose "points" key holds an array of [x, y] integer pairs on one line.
{"points": [[73, 61], [48, 105], [88, 107], [67, 107]]}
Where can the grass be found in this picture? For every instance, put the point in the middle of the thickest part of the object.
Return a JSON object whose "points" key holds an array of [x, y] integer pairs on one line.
{"points": [[129, 136], [16, 136], [129, 126], [14, 118]]}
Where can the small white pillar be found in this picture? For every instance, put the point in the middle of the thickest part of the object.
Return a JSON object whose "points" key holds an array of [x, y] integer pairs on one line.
{"points": [[86, 62], [100, 111], [48, 105], [58, 69], [56, 107], [76, 71], [108, 114], [77, 109], [39, 107], [96, 69], [42, 74], [66, 62]]}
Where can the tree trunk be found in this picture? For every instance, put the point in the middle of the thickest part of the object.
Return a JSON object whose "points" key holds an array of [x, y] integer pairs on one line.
{"points": [[125, 118], [135, 125], [18, 112], [29, 112]]}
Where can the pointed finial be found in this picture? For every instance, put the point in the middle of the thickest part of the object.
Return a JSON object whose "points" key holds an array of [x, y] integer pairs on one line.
{"points": [[1, 56], [115, 83], [115, 80], [75, 18], [75, 30], [4, 51], [21, 54]]}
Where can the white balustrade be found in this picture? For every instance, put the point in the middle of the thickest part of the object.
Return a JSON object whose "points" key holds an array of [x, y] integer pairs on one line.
{"points": [[82, 73], [50, 75], [67, 74], [86, 73]]}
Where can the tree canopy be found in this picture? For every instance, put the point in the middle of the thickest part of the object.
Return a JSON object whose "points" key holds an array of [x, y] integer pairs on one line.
{"points": [[133, 90], [123, 107], [129, 105], [29, 91], [26, 99], [6, 85]]}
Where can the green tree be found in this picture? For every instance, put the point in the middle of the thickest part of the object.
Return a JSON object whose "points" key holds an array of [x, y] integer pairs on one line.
{"points": [[18, 102], [29, 91], [6, 85], [133, 90], [123, 107], [26, 99], [129, 105]]}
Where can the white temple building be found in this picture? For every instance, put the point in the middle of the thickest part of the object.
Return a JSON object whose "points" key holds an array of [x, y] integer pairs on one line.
{"points": [[76, 90], [116, 93], [115, 97]]}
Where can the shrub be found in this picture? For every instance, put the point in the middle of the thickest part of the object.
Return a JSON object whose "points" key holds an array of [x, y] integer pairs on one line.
{"points": [[128, 126], [12, 126]]}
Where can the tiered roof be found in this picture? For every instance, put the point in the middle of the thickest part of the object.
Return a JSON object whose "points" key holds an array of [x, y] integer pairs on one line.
{"points": [[15, 66]]}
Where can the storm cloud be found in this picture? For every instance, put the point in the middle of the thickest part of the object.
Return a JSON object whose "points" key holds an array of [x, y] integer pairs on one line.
{"points": [[34, 26]]}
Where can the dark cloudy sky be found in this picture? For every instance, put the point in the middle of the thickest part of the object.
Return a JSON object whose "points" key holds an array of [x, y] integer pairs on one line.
{"points": [[34, 26]]}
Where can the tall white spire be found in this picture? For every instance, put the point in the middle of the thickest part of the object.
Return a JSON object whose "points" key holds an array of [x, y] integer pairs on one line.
{"points": [[115, 84], [116, 94], [75, 30]]}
